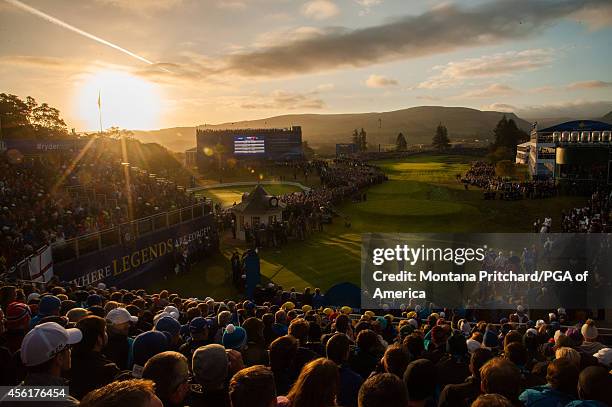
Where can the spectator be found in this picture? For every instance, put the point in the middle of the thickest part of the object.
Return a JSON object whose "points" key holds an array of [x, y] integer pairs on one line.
{"points": [[316, 386], [383, 390], [128, 393], [366, 357], [337, 350], [90, 368], [45, 351], [420, 381], [491, 400], [562, 378], [49, 305], [282, 362], [462, 395], [501, 376], [199, 331], [590, 333], [118, 322], [211, 368], [594, 384], [146, 345], [256, 352], [170, 373], [298, 328], [234, 337], [395, 360], [253, 387]]}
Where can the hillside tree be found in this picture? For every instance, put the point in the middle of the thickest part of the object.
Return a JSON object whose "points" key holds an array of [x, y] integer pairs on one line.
{"points": [[507, 136], [440, 140], [363, 142], [400, 143]]}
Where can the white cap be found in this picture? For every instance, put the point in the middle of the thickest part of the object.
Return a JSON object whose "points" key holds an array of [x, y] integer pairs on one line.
{"points": [[45, 341], [604, 356], [472, 345], [119, 316], [172, 311], [520, 308], [101, 286], [33, 296]]}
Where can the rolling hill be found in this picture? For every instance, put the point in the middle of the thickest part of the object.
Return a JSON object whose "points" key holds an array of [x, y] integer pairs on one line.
{"points": [[417, 123]]}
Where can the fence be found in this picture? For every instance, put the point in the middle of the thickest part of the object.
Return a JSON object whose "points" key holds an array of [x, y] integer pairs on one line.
{"points": [[126, 232]]}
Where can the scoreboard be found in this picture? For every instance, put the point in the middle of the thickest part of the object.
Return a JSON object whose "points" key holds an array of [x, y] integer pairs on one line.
{"points": [[247, 145]]}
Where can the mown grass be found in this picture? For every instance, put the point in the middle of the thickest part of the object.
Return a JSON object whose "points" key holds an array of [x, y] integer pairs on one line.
{"points": [[422, 195]]}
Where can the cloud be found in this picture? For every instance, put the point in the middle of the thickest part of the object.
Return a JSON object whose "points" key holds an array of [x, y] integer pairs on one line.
{"points": [[325, 87], [589, 85], [378, 81], [231, 5], [367, 6], [500, 107], [428, 98], [142, 5], [575, 109], [596, 17], [487, 66], [443, 29], [284, 100], [320, 9], [493, 90]]}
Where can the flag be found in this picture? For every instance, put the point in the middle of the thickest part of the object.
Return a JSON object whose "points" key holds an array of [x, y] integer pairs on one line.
{"points": [[40, 265], [99, 101]]}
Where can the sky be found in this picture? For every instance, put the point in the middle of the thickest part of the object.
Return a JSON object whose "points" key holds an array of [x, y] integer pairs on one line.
{"points": [[166, 63]]}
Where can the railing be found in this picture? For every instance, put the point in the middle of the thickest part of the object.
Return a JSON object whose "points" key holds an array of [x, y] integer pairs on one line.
{"points": [[126, 232]]}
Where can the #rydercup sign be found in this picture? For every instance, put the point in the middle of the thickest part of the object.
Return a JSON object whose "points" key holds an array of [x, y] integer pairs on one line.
{"points": [[152, 253]]}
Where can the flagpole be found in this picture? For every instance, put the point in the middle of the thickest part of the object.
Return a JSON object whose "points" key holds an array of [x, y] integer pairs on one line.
{"points": [[100, 110]]}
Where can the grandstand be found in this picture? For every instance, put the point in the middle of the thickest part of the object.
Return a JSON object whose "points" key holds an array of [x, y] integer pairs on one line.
{"points": [[214, 146], [573, 151]]}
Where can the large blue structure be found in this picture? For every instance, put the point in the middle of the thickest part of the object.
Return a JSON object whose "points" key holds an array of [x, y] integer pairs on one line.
{"points": [[578, 150]]}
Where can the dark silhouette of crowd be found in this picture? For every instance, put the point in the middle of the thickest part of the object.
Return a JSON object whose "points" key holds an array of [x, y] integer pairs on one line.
{"points": [[117, 347], [594, 217], [59, 196], [482, 175]]}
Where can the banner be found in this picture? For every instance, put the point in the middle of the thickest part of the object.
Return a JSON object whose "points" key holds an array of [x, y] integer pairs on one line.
{"points": [[40, 265], [152, 254]]}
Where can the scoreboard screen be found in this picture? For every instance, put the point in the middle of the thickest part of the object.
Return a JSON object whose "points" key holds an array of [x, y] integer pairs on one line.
{"points": [[249, 145]]}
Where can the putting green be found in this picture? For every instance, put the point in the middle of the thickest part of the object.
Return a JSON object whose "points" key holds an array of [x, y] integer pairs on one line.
{"points": [[422, 195]]}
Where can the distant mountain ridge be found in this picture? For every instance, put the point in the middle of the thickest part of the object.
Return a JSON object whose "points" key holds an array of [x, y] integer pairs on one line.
{"points": [[418, 125]]}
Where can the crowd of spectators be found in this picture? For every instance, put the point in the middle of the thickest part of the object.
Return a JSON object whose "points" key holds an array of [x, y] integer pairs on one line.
{"points": [[594, 217], [58, 196], [482, 175], [118, 348]]}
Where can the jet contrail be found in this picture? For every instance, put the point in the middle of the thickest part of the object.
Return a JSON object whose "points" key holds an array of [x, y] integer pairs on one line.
{"points": [[61, 23]]}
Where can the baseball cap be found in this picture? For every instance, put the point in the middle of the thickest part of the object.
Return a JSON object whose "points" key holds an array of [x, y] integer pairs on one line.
{"points": [[173, 311], [48, 305], [119, 316], [45, 341], [168, 324], [33, 297], [199, 324]]}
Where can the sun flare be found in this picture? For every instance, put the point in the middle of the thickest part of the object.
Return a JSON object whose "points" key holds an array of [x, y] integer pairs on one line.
{"points": [[126, 101]]}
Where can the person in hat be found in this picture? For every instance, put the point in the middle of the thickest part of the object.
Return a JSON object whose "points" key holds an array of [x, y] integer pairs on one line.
{"points": [[173, 327], [45, 352], [146, 345], [118, 323], [234, 337], [90, 368], [49, 305], [198, 336], [590, 333], [211, 368], [18, 319]]}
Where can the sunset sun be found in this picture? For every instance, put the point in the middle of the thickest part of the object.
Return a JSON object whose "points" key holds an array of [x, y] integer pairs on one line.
{"points": [[126, 101]]}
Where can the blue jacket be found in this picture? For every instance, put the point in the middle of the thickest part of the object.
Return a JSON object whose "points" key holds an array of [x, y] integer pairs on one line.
{"points": [[545, 396]]}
